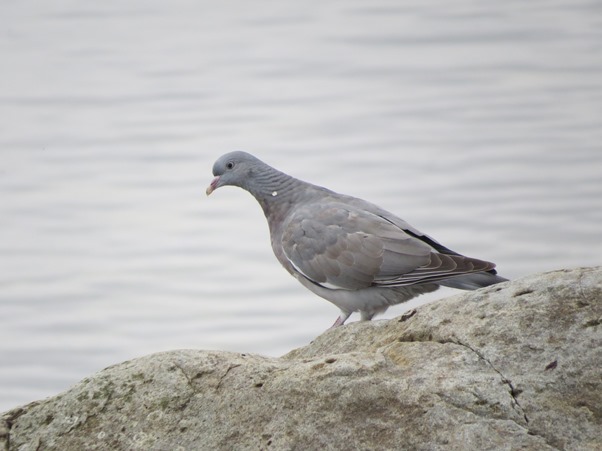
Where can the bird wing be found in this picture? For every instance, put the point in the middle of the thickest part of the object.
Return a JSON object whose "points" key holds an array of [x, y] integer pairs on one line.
{"points": [[340, 246]]}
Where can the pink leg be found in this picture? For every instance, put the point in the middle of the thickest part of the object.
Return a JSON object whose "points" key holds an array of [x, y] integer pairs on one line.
{"points": [[340, 320]]}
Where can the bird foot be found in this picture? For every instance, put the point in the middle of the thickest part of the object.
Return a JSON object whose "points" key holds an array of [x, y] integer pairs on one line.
{"points": [[337, 323], [340, 320]]}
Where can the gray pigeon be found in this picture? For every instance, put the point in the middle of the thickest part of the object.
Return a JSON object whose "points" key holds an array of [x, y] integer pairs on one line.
{"points": [[346, 250]]}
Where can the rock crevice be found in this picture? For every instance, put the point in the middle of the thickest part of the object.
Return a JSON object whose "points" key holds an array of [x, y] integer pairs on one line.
{"points": [[514, 393]]}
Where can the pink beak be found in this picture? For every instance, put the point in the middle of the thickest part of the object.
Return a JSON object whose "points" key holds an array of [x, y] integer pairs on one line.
{"points": [[212, 186]]}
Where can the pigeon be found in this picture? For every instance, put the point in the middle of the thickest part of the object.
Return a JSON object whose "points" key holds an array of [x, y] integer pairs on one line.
{"points": [[346, 250]]}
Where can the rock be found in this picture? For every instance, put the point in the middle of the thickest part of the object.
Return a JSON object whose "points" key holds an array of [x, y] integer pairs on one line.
{"points": [[511, 366]]}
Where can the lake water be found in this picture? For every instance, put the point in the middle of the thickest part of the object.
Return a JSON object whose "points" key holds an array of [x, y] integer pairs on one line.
{"points": [[479, 123]]}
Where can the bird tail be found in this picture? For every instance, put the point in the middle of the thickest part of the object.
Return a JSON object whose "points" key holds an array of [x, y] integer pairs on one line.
{"points": [[472, 281]]}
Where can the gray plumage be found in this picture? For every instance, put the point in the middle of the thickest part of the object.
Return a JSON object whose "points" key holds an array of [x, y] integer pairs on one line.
{"points": [[346, 250]]}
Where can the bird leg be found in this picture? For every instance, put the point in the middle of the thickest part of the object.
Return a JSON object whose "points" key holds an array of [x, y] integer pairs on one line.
{"points": [[341, 319], [367, 316]]}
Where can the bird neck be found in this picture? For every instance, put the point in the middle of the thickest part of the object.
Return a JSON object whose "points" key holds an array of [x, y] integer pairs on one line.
{"points": [[276, 192]]}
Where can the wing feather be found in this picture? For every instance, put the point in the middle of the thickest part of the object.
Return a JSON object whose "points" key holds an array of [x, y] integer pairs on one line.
{"points": [[342, 246]]}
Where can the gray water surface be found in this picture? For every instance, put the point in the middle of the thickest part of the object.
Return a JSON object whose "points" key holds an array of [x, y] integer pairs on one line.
{"points": [[479, 123]]}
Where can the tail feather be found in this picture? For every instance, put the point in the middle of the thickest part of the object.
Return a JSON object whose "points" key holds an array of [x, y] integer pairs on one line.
{"points": [[472, 281]]}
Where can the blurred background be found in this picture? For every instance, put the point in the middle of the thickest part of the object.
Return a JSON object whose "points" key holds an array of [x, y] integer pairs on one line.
{"points": [[480, 123]]}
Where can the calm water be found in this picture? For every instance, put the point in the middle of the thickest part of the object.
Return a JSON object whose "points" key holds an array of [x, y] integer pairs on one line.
{"points": [[480, 125]]}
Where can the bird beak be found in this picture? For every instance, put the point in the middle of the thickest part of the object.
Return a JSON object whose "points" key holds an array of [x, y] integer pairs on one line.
{"points": [[213, 186]]}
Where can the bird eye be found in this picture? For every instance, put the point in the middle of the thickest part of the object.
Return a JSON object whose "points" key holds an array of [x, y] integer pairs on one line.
{"points": [[229, 165]]}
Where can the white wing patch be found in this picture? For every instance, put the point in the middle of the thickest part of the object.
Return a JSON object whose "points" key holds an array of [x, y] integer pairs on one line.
{"points": [[328, 285]]}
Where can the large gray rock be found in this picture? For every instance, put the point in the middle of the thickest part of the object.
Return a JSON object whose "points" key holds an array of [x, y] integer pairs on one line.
{"points": [[511, 366]]}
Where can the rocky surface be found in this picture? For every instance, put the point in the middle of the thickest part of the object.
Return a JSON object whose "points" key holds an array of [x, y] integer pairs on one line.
{"points": [[512, 366]]}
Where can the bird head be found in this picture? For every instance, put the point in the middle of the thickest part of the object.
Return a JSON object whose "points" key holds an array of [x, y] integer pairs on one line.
{"points": [[234, 169]]}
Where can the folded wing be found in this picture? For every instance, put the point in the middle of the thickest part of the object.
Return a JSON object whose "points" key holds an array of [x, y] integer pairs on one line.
{"points": [[339, 246]]}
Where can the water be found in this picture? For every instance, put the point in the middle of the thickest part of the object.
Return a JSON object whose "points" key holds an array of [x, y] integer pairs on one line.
{"points": [[480, 124]]}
